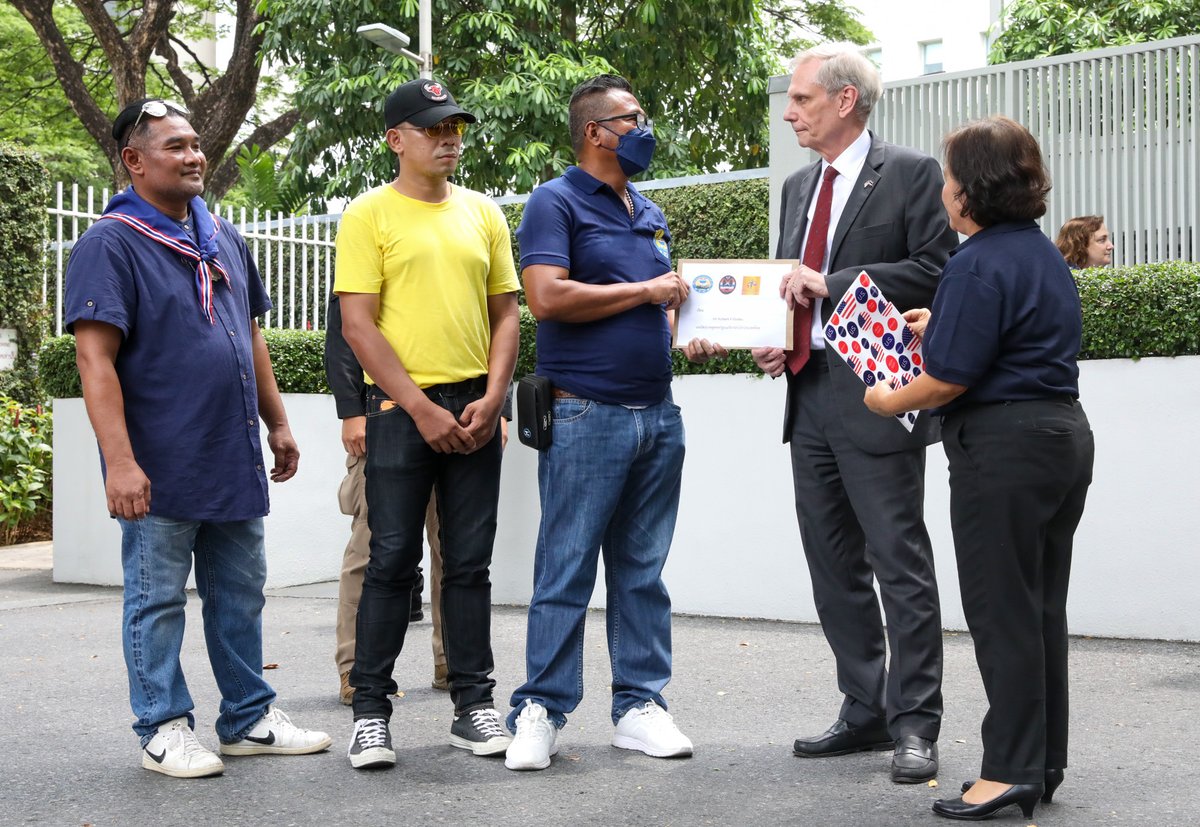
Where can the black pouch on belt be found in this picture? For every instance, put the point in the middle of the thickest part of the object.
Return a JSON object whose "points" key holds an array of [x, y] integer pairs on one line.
{"points": [[534, 411]]}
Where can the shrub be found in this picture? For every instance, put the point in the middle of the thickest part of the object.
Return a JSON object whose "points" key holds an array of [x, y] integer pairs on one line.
{"points": [[1140, 310], [24, 191], [25, 467], [298, 357]]}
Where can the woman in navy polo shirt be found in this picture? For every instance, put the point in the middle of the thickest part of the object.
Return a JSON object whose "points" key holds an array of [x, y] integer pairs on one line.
{"points": [[1000, 355]]}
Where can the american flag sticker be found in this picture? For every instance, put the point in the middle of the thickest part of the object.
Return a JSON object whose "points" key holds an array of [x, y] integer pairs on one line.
{"points": [[881, 333]]}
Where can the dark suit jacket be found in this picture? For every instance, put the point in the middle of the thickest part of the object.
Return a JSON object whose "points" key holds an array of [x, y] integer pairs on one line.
{"points": [[893, 226]]}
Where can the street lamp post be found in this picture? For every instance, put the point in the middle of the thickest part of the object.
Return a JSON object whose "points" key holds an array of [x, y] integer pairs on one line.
{"points": [[388, 39]]}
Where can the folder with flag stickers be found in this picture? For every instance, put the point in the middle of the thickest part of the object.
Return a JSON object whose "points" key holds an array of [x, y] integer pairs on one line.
{"points": [[870, 334]]}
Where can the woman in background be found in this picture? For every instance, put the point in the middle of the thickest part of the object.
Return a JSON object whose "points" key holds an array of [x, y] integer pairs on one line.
{"points": [[1000, 367], [1084, 241]]}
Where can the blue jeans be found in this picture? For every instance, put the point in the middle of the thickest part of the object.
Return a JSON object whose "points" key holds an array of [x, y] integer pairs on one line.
{"points": [[402, 469], [231, 569], [609, 480]]}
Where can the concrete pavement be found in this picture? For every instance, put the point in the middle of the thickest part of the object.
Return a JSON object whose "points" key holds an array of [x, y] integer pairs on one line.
{"points": [[743, 691]]}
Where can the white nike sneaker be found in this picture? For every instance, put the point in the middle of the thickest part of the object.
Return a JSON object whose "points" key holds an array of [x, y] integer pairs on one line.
{"points": [[275, 734], [649, 728], [175, 751]]}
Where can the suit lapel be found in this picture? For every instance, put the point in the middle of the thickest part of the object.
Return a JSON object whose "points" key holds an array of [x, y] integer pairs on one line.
{"points": [[863, 187], [795, 238]]}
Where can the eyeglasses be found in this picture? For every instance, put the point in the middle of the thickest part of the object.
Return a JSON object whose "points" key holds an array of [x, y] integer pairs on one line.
{"points": [[638, 119], [158, 109], [444, 129]]}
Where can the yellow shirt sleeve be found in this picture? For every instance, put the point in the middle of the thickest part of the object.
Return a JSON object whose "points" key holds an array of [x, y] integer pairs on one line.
{"points": [[358, 267], [502, 274]]}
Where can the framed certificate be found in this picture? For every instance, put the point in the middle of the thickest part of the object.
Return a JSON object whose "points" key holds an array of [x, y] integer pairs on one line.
{"points": [[735, 303]]}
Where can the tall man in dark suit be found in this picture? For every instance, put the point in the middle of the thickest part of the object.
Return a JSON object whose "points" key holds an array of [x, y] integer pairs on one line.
{"points": [[859, 479]]}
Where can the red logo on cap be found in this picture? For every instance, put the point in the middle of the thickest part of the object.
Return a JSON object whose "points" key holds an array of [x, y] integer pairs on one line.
{"points": [[434, 91]]}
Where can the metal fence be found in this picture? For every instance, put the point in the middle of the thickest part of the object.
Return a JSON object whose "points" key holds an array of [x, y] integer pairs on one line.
{"points": [[294, 255], [1118, 128]]}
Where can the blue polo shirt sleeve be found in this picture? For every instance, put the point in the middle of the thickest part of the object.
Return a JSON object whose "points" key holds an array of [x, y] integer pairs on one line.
{"points": [[100, 285], [963, 341], [545, 232]]}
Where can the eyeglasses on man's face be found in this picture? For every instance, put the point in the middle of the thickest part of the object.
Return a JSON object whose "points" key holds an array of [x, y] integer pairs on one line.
{"points": [[638, 119], [443, 129]]}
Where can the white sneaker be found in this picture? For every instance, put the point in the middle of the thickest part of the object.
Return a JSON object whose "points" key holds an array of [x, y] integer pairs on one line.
{"points": [[649, 728], [275, 734], [175, 751], [536, 740]]}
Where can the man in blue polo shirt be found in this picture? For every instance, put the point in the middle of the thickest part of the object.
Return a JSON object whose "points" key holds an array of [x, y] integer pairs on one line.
{"points": [[597, 272], [161, 297]]}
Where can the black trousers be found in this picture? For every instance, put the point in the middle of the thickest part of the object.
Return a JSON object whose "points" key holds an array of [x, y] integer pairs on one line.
{"points": [[861, 519], [1019, 474], [402, 469]]}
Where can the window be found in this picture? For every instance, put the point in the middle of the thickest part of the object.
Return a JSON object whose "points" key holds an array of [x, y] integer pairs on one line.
{"points": [[875, 56], [931, 57]]}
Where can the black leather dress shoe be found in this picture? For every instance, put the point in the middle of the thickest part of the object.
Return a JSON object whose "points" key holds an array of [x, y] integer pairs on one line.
{"points": [[842, 739], [915, 760], [1024, 796]]}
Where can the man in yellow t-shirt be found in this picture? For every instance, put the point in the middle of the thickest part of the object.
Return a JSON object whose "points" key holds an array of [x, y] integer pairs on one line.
{"points": [[429, 306]]}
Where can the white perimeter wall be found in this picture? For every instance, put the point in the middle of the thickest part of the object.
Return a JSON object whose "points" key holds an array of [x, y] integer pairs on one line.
{"points": [[737, 550]]}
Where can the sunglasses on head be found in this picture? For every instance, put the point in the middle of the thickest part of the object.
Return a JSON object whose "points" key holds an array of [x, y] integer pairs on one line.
{"points": [[157, 108]]}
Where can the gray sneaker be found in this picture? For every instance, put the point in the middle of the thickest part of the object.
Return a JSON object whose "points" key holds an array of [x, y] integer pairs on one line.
{"points": [[482, 731], [371, 744]]}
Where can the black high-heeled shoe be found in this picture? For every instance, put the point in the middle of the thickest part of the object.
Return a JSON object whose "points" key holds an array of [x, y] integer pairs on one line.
{"points": [[1023, 795], [1054, 779]]}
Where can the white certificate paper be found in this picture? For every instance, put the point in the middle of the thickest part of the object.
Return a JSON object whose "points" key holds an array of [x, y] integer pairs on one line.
{"points": [[735, 303]]}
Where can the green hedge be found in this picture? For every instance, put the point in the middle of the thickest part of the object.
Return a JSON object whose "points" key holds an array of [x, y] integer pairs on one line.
{"points": [[1143, 310], [24, 191]]}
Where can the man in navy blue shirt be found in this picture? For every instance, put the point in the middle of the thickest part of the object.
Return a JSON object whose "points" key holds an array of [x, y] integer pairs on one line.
{"points": [[595, 259], [161, 297]]}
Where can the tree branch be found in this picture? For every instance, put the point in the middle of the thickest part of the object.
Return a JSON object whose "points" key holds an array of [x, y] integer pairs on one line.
{"points": [[225, 174], [179, 44], [70, 73], [182, 82]]}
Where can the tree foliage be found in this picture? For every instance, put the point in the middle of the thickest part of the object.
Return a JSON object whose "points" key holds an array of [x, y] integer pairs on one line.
{"points": [[126, 49], [1041, 28], [699, 69], [34, 112]]}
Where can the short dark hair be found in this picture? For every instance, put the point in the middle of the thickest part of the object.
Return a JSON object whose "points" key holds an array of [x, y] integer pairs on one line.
{"points": [[587, 104], [998, 166], [1075, 236]]}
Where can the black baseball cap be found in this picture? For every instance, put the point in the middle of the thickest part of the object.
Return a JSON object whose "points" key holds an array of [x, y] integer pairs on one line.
{"points": [[422, 102]]}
